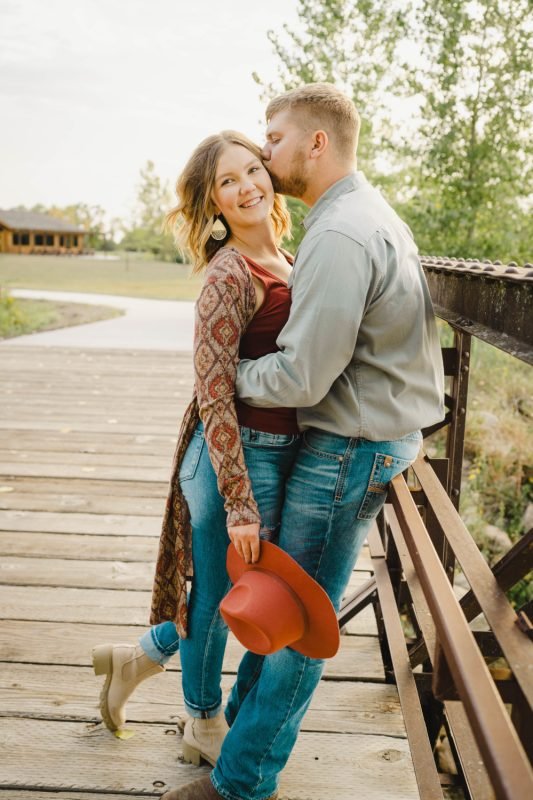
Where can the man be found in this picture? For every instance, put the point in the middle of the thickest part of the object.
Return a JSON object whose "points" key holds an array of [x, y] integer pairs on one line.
{"points": [[360, 359]]}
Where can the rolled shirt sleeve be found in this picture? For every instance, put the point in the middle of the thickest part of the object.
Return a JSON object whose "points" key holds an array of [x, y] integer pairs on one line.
{"points": [[332, 281]]}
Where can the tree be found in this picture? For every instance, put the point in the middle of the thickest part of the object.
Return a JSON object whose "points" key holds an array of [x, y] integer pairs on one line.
{"points": [[353, 44], [153, 201], [298, 211], [473, 147], [457, 163]]}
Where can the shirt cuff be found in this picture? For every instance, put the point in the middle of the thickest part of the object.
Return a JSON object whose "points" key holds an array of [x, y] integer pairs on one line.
{"points": [[242, 514]]}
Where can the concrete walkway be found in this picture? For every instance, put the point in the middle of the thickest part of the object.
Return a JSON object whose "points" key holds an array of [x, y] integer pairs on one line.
{"points": [[146, 324]]}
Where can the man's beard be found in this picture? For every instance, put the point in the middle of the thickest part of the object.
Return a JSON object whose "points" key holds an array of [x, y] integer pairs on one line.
{"points": [[293, 184]]}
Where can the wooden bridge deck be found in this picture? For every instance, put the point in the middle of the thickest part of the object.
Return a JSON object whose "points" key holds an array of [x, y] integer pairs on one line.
{"points": [[86, 439]]}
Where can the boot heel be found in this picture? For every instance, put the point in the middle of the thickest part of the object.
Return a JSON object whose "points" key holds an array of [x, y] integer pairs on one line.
{"points": [[103, 659], [191, 754]]}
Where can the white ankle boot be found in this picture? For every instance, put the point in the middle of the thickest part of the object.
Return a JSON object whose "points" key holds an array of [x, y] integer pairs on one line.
{"points": [[125, 666], [202, 739]]}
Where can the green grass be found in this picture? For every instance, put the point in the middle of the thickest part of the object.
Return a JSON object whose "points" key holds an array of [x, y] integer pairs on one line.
{"points": [[19, 317], [131, 275]]}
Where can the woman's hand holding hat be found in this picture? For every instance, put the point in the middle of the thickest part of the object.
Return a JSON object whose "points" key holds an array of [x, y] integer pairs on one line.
{"points": [[276, 603], [245, 539]]}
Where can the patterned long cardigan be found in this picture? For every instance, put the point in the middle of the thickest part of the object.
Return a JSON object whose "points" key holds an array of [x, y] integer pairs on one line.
{"points": [[223, 311]]}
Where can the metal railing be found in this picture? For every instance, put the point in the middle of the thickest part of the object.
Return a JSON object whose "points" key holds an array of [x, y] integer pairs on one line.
{"points": [[478, 684]]}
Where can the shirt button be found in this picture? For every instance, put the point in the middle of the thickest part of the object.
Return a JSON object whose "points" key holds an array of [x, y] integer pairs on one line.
{"points": [[341, 458]]}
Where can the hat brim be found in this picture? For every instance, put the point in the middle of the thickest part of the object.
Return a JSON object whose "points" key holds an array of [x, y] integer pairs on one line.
{"points": [[322, 636]]}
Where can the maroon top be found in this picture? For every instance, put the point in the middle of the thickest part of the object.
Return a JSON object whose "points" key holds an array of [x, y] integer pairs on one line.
{"points": [[259, 339]]}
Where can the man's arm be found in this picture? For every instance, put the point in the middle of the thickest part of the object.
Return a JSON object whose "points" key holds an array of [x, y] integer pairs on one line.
{"points": [[332, 278]]}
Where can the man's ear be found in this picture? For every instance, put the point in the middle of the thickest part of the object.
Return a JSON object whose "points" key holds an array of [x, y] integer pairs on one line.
{"points": [[319, 144]]}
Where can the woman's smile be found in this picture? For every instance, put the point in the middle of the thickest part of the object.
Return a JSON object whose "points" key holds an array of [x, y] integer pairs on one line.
{"points": [[251, 203]]}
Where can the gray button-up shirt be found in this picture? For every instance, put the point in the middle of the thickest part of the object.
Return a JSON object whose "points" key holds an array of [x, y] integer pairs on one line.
{"points": [[360, 354]]}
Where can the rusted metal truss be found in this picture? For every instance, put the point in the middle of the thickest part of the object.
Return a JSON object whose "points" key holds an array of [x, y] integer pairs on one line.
{"points": [[486, 299]]}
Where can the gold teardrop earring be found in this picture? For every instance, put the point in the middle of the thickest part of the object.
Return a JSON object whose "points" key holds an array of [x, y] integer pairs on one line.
{"points": [[218, 230]]}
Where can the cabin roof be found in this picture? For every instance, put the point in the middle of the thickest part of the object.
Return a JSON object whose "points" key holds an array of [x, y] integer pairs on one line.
{"points": [[16, 219]]}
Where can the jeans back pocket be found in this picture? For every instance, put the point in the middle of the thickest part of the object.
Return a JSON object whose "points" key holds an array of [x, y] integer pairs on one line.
{"points": [[191, 458], [384, 469]]}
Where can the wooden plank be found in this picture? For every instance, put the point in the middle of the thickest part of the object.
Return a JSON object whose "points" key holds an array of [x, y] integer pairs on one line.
{"points": [[53, 486], [100, 360], [70, 644], [322, 765], [97, 363], [42, 794], [91, 384], [35, 371], [83, 426], [89, 574], [73, 546], [108, 397], [90, 403], [96, 759], [63, 692], [19, 405], [75, 523], [98, 503], [24, 572], [122, 444], [113, 389], [178, 370], [117, 548], [91, 548], [74, 605], [86, 459], [101, 473], [117, 390], [110, 412], [92, 379], [89, 387]]}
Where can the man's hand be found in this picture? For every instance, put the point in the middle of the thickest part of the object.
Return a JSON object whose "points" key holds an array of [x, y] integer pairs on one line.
{"points": [[246, 541]]}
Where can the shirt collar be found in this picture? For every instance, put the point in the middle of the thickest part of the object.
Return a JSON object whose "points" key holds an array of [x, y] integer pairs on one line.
{"points": [[347, 184]]}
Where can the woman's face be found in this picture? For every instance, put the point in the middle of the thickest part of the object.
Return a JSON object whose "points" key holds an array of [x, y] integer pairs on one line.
{"points": [[242, 191]]}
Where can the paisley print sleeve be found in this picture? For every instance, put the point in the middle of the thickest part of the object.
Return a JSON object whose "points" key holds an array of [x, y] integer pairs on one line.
{"points": [[223, 311]]}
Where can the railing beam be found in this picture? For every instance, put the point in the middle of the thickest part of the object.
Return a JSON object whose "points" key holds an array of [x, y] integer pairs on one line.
{"points": [[497, 740], [492, 600]]}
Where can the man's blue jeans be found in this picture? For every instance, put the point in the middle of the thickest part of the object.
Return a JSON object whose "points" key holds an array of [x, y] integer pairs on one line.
{"points": [[336, 488], [269, 458]]}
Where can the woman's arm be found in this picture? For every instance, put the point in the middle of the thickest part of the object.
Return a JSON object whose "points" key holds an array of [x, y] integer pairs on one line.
{"points": [[223, 311]]}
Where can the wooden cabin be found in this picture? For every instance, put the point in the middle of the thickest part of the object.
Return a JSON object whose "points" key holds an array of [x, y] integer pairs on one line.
{"points": [[27, 232]]}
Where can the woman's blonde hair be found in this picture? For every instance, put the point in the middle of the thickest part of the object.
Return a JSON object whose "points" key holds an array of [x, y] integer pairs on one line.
{"points": [[192, 218]]}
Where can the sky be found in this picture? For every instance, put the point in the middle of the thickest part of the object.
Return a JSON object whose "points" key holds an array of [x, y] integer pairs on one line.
{"points": [[90, 90]]}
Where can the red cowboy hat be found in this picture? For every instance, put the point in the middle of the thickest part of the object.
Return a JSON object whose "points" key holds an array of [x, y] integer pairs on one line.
{"points": [[274, 603]]}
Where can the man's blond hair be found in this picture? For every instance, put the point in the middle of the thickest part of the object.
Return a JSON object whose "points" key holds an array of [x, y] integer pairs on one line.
{"points": [[322, 106]]}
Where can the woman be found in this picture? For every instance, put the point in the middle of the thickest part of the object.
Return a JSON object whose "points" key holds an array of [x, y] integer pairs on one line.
{"points": [[231, 461]]}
